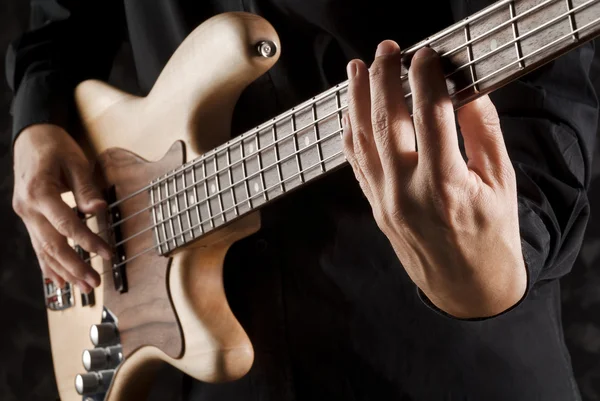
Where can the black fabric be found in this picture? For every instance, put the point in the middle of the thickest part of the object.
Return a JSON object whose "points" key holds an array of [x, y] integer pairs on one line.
{"points": [[329, 308]]}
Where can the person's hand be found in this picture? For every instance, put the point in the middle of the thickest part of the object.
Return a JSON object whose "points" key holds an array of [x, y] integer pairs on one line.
{"points": [[48, 162], [453, 225]]}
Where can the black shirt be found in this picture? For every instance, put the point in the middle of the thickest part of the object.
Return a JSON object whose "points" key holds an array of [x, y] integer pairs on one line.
{"points": [[329, 308]]}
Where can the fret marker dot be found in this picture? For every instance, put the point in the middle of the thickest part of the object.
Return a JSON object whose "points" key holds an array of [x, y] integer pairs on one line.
{"points": [[494, 44], [174, 208], [256, 187], [213, 189], [159, 214], [306, 141], [192, 198], [251, 148]]}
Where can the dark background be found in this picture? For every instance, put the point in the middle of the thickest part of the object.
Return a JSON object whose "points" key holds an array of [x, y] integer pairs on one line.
{"points": [[25, 361]]}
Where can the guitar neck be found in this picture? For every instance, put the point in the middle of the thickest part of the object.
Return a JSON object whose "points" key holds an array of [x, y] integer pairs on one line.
{"points": [[481, 53]]}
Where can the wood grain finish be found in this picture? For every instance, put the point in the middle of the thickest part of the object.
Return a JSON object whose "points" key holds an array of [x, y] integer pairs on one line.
{"points": [[145, 312]]}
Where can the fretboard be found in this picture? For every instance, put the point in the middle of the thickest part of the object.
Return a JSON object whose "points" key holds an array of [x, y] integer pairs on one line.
{"points": [[481, 53]]}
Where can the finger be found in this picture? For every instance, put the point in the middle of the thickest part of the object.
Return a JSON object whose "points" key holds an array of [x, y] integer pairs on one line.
{"points": [[87, 195], [359, 110], [351, 157], [484, 143], [51, 264], [433, 115], [45, 267], [56, 248], [49, 274], [393, 129], [68, 224]]}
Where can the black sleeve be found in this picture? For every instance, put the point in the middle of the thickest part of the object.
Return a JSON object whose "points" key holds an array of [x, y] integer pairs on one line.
{"points": [[549, 122], [68, 41]]}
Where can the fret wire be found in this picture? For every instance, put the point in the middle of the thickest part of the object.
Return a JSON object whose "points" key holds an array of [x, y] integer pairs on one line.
{"points": [[572, 19], [244, 175], [597, 20], [218, 189], [210, 214], [470, 55], [295, 139], [277, 164], [511, 7], [186, 206], [177, 208], [228, 155], [316, 130], [338, 104], [162, 216], [261, 175], [170, 218], [412, 49], [155, 220], [196, 198]]}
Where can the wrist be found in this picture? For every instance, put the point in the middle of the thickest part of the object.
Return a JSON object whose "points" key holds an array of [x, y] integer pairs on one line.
{"points": [[480, 299]]}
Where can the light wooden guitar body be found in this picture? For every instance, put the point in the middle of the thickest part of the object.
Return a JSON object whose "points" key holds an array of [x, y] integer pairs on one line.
{"points": [[175, 309]]}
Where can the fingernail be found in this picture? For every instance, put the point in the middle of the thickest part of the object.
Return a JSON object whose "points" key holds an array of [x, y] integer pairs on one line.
{"points": [[387, 47], [84, 287], [92, 280], [424, 52], [351, 69], [345, 121], [97, 204], [106, 255]]}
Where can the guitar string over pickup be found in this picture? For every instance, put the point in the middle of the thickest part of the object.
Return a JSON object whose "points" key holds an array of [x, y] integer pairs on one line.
{"points": [[118, 267]]}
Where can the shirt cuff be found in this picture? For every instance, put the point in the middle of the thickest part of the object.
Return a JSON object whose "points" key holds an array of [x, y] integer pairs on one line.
{"points": [[438, 311], [41, 98]]}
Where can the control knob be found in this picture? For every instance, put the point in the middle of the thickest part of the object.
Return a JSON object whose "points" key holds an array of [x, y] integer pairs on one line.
{"points": [[103, 334], [93, 382], [102, 358]]}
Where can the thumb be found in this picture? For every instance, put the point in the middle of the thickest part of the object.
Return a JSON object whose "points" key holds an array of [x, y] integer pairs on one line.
{"points": [[87, 195], [484, 143]]}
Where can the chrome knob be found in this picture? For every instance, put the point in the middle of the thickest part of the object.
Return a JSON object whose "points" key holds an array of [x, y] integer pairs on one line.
{"points": [[94, 382], [103, 334], [102, 358]]}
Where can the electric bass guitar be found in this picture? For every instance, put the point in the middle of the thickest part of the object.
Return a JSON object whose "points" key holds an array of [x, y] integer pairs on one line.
{"points": [[181, 191]]}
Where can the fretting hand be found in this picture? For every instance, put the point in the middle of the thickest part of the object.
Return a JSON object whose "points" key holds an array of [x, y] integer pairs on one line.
{"points": [[47, 163], [453, 225]]}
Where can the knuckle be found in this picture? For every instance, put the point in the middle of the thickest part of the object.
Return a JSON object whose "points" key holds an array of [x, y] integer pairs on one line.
{"points": [[381, 121], [377, 69], [66, 227], [18, 205], [506, 173], [86, 190], [48, 249]]}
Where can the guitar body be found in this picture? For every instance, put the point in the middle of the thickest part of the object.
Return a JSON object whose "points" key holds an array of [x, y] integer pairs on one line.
{"points": [[174, 309]]}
